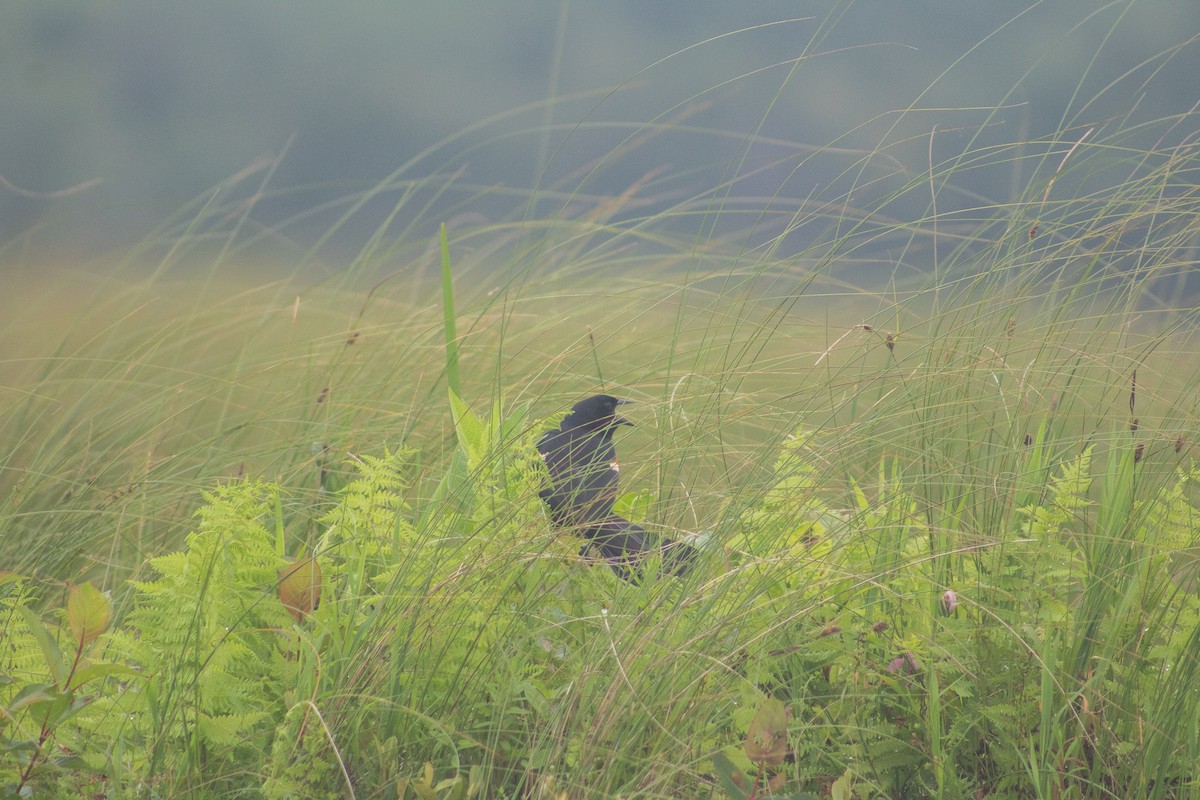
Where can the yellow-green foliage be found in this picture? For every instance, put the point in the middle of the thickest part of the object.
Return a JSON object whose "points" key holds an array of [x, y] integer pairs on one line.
{"points": [[18, 655], [203, 634], [369, 531], [792, 514], [463, 631], [1067, 498], [20, 661], [303, 763]]}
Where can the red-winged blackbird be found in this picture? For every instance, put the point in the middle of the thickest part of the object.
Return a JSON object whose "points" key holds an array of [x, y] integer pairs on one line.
{"points": [[624, 545], [582, 462]]}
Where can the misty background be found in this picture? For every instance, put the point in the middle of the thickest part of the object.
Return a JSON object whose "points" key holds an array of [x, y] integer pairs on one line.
{"points": [[118, 115]]}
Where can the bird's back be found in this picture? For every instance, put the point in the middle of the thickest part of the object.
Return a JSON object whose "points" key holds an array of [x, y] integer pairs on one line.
{"points": [[583, 473]]}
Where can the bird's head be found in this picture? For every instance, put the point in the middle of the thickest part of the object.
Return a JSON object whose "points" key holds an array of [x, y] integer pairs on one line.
{"points": [[597, 412]]}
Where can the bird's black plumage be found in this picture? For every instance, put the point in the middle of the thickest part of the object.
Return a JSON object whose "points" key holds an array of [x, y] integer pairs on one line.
{"points": [[582, 462], [625, 545]]}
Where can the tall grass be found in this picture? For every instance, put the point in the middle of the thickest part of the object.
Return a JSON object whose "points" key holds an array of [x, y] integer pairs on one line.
{"points": [[1003, 411]]}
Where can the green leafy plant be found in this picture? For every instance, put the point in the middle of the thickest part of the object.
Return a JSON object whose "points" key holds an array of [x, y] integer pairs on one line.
{"points": [[33, 713], [949, 544]]}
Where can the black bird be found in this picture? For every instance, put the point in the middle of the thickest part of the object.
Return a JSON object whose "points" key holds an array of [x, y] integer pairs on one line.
{"points": [[625, 545], [582, 462]]}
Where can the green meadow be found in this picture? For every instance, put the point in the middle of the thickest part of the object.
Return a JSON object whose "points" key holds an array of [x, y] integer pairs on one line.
{"points": [[271, 527]]}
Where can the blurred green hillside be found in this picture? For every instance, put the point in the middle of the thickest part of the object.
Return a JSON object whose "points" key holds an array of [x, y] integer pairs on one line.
{"points": [[162, 102]]}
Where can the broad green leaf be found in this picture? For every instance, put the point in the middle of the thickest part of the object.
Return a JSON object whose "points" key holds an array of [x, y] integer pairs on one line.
{"points": [[17, 746], [634, 506], [50, 651], [30, 695], [728, 776], [72, 762], [66, 705], [843, 787], [88, 612], [468, 427], [92, 672]]}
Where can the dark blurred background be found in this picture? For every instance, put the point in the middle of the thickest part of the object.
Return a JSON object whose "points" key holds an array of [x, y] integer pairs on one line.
{"points": [[162, 102]]}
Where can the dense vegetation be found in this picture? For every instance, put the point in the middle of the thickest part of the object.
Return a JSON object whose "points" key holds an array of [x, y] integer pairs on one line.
{"points": [[947, 522]]}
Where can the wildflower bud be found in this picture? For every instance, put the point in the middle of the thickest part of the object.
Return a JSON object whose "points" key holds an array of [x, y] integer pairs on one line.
{"points": [[906, 663], [949, 601]]}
